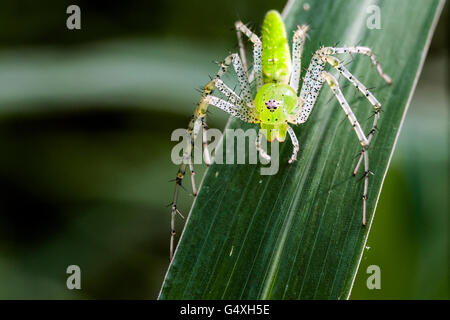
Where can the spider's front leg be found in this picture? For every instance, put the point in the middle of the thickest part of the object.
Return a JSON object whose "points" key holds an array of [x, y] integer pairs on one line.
{"points": [[235, 105], [298, 43], [257, 53]]}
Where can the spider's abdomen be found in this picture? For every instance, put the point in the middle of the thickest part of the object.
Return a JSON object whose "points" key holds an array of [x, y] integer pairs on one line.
{"points": [[276, 57]]}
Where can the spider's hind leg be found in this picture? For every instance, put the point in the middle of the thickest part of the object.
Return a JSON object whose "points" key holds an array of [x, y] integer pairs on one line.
{"points": [[376, 116], [332, 82], [337, 64]]}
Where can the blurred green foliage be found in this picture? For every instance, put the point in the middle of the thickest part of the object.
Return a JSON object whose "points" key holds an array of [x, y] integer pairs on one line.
{"points": [[85, 124]]}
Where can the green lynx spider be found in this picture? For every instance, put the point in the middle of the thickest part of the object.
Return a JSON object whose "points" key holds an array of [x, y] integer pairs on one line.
{"points": [[276, 103]]}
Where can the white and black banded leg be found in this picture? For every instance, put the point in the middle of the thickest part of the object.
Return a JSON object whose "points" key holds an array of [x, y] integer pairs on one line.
{"points": [[332, 82], [335, 63], [257, 52], [295, 144], [242, 49], [376, 117], [298, 43], [232, 96], [244, 83], [191, 167], [198, 122], [246, 115], [312, 83]]}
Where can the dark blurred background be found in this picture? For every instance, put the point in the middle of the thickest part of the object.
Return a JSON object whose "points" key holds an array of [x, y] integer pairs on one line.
{"points": [[85, 123]]}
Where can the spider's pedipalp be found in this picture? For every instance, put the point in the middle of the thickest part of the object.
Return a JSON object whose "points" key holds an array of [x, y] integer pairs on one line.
{"points": [[294, 143], [259, 148]]}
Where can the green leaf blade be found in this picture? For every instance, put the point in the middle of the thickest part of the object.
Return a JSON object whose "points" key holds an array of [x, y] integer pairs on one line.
{"points": [[298, 234]]}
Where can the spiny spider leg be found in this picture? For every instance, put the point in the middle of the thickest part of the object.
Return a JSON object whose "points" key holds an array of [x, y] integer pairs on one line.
{"points": [[246, 115], [332, 82], [337, 64], [358, 85], [312, 83], [191, 168], [359, 50], [237, 107], [257, 52], [376, 117], [242, 50], [241, 110], [229, 93], [246, 93], [298, 42]]}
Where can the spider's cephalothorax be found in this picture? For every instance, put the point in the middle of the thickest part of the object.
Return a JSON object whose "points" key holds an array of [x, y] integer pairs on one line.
{"points": [[275, 106], [276, 76]]}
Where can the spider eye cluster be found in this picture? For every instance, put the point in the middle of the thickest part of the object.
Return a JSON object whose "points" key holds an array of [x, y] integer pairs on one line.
{"points": [[272, 105]]}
